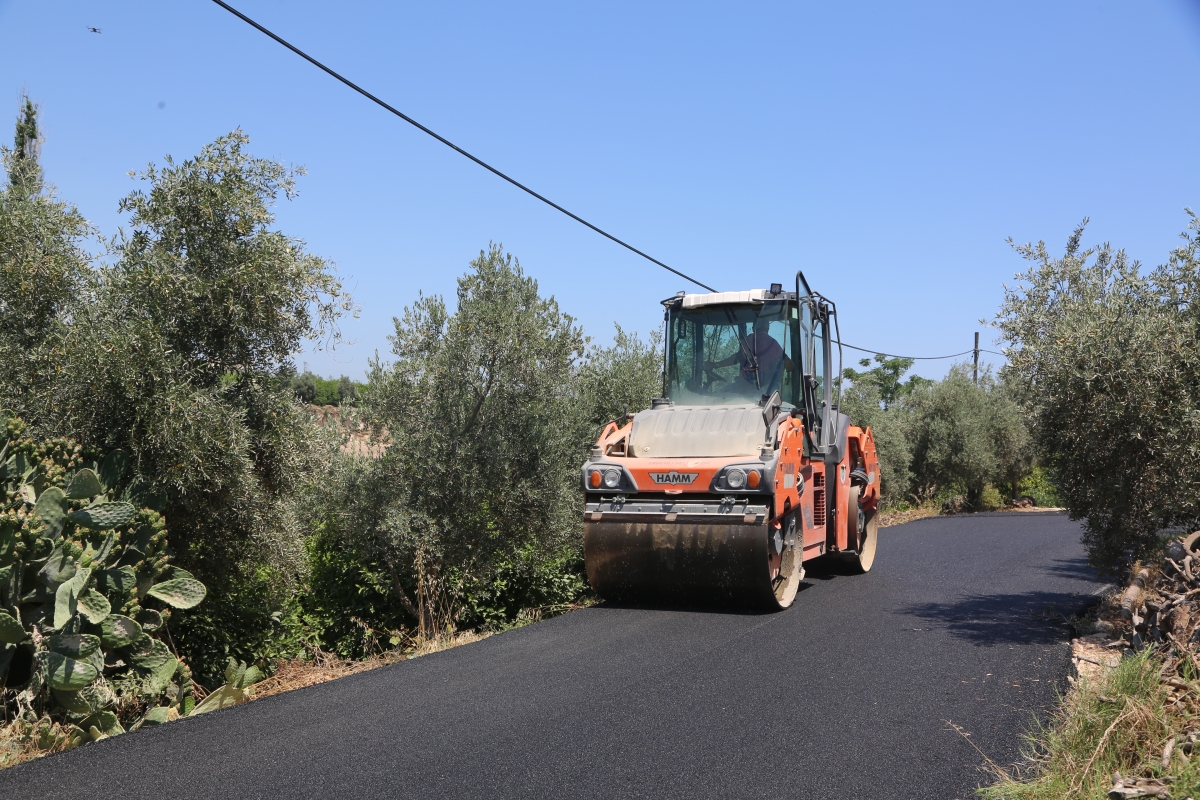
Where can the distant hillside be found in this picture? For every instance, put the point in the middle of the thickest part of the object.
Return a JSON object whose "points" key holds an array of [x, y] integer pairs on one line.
{"points": [[356, 432]]}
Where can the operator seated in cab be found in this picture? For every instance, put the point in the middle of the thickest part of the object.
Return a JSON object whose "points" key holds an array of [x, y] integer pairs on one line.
{"points": [[759, 355]]}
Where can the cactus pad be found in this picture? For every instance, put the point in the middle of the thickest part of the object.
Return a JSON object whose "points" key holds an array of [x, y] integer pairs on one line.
{"points": [[49, 508], [151, 655], [103, 515], [149, 619], [66, 598], [119, 580], [179, 592], [11, 631], [160, 676], [93, 606], [234, 673], [251, 676], [66, 674], [83, 486], [118, 631], [77, 646], [101, 553], [224, 697], [59, 568], [105, 721], [112, 468], [156, 716], [72, 701]]}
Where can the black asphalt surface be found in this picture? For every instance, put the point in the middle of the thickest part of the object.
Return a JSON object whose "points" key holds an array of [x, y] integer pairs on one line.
{"points": [[849, 694]]}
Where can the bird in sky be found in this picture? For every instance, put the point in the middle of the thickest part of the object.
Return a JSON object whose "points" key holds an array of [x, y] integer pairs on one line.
{"points": [[93, 30]]}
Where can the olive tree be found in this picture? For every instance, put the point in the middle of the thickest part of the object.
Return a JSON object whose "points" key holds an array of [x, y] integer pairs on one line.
{"points": [[1107, 362], [175, 359], [965, 435], [484, 427]]}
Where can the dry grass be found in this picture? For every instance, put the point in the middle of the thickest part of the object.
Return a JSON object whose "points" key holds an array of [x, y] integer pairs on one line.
{"points": [[20, 741], [899, 517], [1119, 723], [317, 666]]}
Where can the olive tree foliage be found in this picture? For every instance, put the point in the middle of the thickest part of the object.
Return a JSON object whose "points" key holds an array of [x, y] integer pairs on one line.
{"points": [[939, 437], [484, 426], [863, 402], [174, 359], [1107, 362], [966, 435], [44, 267], [886, 377], [619, 378]]}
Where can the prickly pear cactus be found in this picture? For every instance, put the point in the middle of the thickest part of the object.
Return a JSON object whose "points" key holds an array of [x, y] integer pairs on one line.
{"points": [[86, 587]]}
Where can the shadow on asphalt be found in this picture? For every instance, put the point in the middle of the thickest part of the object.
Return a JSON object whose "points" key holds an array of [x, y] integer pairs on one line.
{"points": [[985, 620], [730, 608], [827, 568], [1076, 568], [689, 607]]}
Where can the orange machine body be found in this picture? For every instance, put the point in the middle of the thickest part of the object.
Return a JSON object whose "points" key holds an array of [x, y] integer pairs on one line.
{"points": [[822, 509]]}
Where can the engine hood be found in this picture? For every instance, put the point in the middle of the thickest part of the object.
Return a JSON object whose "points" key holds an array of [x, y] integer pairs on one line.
{"points": [[698, 431]]}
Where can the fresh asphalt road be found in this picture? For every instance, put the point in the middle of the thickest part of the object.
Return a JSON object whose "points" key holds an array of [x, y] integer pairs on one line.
{"points": [[848, 694]]}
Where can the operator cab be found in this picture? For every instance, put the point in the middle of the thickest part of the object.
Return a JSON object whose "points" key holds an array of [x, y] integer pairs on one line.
{"points": [[740, 348]]}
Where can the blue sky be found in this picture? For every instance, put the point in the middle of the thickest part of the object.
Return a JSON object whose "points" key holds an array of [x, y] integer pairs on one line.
{"points": [[887, 149]]}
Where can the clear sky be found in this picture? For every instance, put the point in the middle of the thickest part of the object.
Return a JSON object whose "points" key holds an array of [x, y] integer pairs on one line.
{"points": [[887, 149]]}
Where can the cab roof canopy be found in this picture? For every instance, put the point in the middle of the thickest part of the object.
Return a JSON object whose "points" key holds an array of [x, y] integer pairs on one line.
{"points": [[722, 298]]}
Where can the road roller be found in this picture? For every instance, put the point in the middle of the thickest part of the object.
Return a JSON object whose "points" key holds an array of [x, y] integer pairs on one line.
{"points": [[744, 469]]}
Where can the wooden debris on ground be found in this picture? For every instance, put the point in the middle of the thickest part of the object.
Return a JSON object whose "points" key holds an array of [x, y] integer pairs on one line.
{"points": [[1127, 788], [1159, 610]]}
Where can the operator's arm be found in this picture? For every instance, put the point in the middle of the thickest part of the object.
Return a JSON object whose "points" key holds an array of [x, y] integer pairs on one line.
{"points": [[725, 362]]}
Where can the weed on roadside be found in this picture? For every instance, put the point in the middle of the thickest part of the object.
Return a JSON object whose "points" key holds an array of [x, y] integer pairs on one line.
{"points": [[1125, 722]]}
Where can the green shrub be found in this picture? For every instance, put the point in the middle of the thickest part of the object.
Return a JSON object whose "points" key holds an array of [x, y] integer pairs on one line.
{"points": [[349, 602], [174, 354], [531, 585], [1039, 487], [252, 616], [990, 498], [939, 440]]}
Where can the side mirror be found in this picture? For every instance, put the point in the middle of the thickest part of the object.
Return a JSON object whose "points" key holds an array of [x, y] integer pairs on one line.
{"points": [[771, 406]]}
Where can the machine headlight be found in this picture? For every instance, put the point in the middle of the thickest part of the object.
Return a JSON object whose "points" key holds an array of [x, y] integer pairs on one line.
{"points": [[735, 478], [612, 478]]}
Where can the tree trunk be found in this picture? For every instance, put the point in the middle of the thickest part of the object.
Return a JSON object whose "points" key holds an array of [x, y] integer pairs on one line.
{"points": [[399, 590]]}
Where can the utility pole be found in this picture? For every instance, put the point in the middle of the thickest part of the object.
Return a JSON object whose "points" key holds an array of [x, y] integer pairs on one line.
{"points": [[976, 358]]}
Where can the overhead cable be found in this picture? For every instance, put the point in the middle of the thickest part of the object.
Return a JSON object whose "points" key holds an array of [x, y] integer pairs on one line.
{"points": [[919, 358], [453, 146]]}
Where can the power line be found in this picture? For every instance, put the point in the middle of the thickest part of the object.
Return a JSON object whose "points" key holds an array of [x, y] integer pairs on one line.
{"points": [[919, 358], [451, 145]]}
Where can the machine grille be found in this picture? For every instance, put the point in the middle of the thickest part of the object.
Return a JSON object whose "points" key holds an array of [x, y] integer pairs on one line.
{"points": [[818, 499]]}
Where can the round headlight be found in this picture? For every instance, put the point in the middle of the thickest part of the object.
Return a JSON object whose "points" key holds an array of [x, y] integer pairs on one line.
{"points": [[612, 478], [735, 478]]}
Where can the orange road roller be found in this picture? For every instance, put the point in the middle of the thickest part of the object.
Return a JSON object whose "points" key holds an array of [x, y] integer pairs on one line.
{"points": [[743, 470]]}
